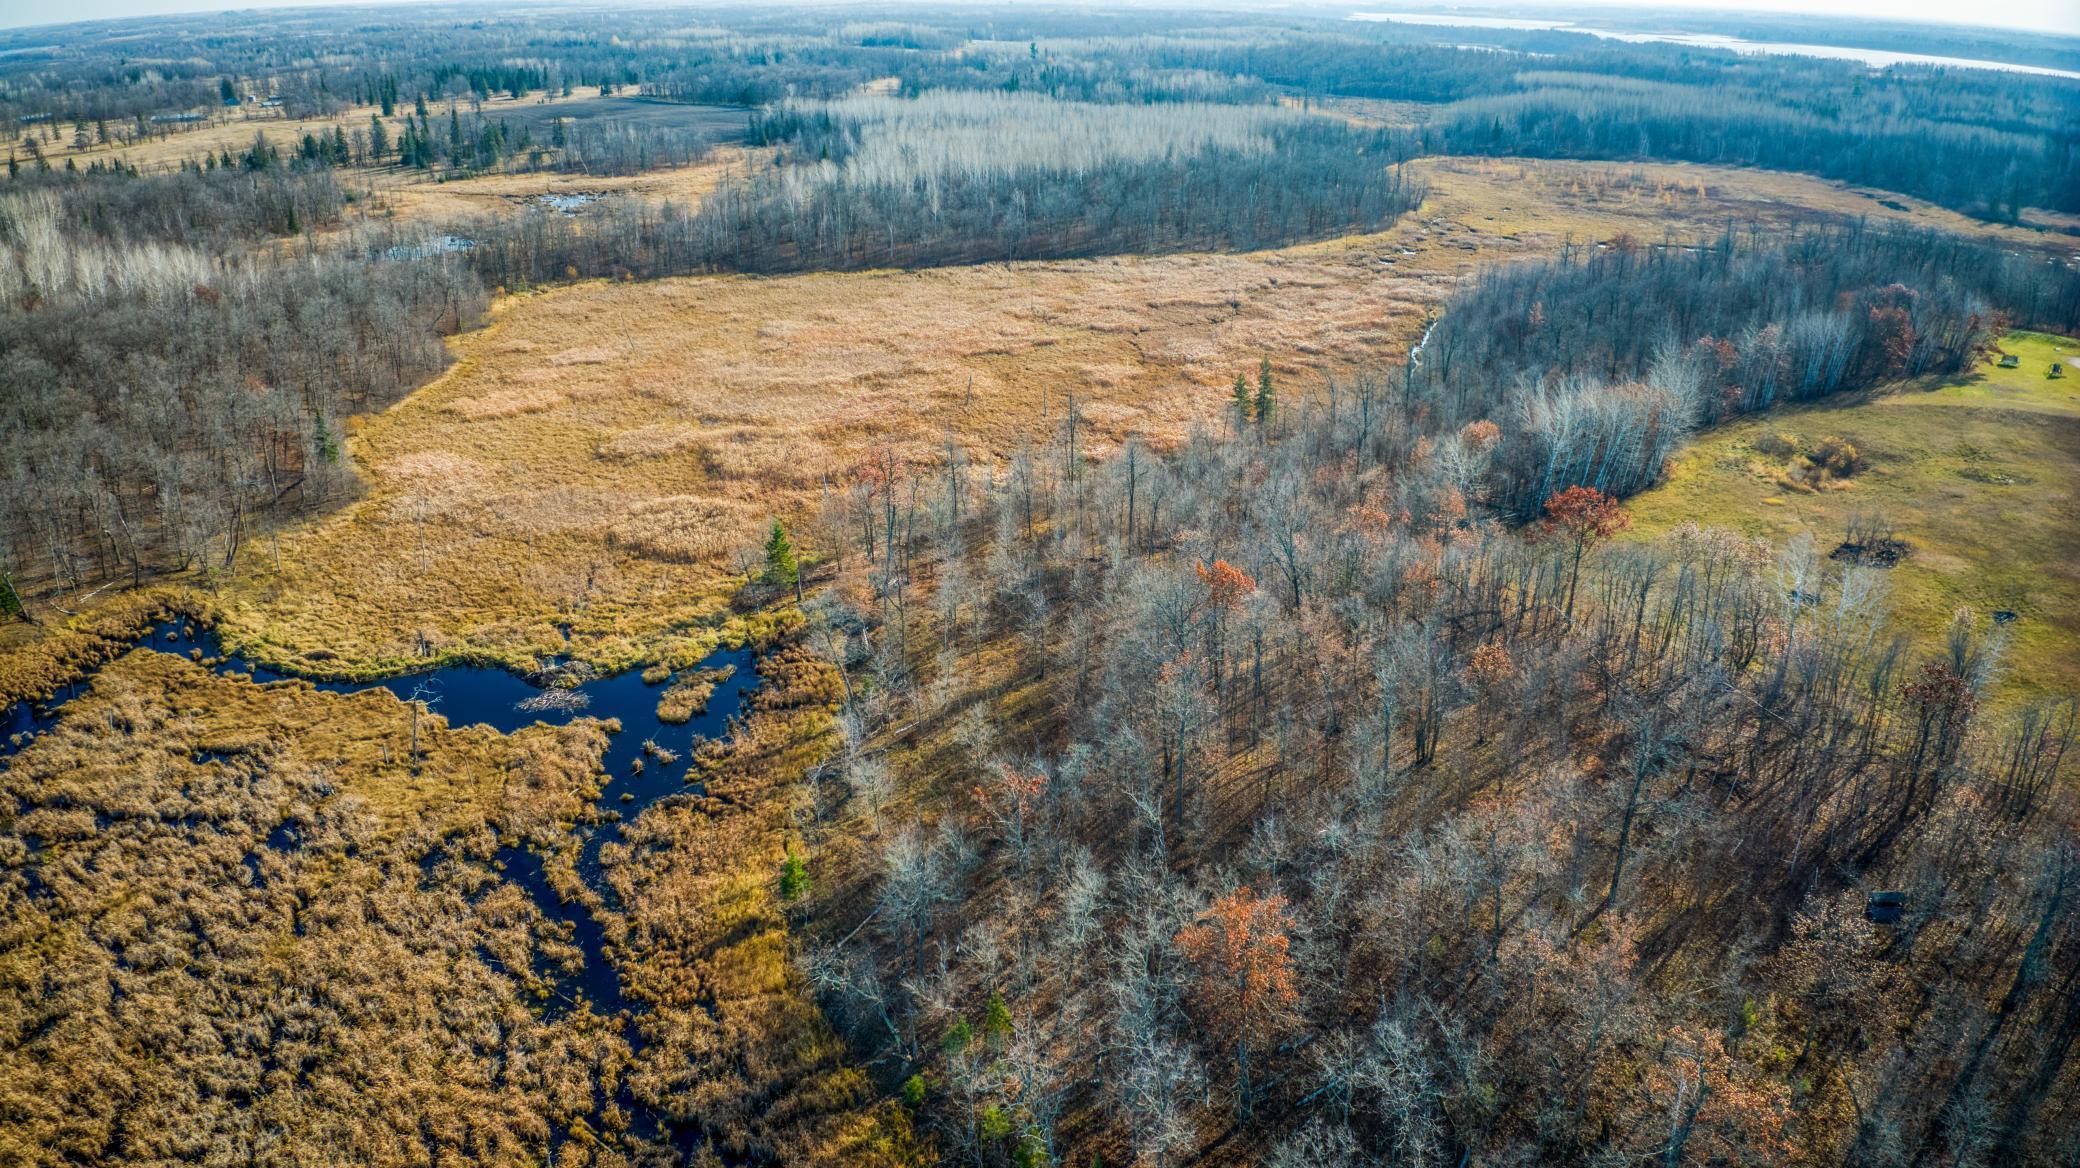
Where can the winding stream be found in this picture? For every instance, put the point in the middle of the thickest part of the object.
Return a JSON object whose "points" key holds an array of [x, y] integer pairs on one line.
{"points": [[479, 695]]}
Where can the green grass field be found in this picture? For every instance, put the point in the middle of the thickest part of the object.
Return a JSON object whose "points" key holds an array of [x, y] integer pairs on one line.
{"points": [[1981, 475]]}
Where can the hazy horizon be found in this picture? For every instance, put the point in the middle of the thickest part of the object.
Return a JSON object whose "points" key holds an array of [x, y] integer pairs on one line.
{"points": [[2061, 17]]}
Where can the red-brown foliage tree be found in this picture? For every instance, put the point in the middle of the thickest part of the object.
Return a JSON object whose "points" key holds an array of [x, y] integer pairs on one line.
{"points": [[1245, 989], [1584, 516]]}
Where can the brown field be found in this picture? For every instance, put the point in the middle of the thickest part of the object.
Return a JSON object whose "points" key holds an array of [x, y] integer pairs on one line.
{"points": [[604, 455], [401, 194], [233, 130], [375, 950], [393, 192]]}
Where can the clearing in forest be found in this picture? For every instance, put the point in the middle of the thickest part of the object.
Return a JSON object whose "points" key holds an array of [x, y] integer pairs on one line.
{"points": [[602, 456], [1978, 475]]}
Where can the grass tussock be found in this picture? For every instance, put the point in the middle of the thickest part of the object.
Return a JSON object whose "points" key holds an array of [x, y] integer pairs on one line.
{"points": [[272, 864], [37, 660], [689, 695], [280, 865], [738, 1033]]}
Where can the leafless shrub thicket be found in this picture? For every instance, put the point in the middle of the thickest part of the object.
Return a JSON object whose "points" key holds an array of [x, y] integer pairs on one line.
{"points": [[165, 402]]}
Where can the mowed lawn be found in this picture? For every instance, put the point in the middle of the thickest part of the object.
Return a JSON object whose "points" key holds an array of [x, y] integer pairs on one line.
{"points": [[1981, 475]]}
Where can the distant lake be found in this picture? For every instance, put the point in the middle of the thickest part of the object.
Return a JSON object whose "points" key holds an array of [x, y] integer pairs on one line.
{"points": [[1875, 58]]}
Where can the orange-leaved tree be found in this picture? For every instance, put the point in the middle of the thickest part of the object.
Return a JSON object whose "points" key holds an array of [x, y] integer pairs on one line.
{"points": [[1245, 991], [1583, 516], [1227, 586]]}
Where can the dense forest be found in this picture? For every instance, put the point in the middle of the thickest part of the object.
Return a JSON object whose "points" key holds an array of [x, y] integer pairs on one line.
{"points": [[1419, 841], [169, 396]]}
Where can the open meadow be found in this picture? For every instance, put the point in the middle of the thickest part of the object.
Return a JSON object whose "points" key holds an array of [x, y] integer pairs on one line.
{"points": [[1979, 476], [391, 193], [601, 457]]}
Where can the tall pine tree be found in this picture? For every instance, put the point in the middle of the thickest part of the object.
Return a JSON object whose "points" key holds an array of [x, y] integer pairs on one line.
{"points": [[781, 566]]}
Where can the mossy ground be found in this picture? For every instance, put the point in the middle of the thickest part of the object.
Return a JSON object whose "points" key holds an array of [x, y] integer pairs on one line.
{"points": [[1980, 474]]}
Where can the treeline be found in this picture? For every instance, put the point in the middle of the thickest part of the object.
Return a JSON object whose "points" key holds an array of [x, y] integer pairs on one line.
{"points": [[1271, 802], [1995, 172], [749, 57], [1599, 362], [1104, 70], [951, 178], [216, 208], [973, 178], [171, 392], [459, 143], [1980, 141]]}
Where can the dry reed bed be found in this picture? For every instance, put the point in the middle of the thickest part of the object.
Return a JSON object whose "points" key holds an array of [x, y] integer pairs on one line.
{"points": [[605, 456]]}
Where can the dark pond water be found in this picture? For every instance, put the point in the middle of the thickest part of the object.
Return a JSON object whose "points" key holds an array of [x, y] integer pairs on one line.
{"points": [[478, 695]]}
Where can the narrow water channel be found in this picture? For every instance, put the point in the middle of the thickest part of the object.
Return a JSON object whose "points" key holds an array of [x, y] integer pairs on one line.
{"points": [[479, 695]]}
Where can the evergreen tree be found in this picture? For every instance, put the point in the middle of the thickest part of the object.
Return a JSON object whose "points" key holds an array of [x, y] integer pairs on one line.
{"points": [[1242, 402], [378, 138], [781, 566], [227, 91], [794, 870], [11, 607]]}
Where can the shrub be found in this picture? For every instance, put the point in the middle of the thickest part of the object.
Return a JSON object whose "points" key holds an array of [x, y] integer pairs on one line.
{"points": [[1777, 445], [1837, 457]]}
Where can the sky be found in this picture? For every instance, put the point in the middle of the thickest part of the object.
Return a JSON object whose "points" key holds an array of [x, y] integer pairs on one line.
{"points": [[2061, 16], [2053, 15]]}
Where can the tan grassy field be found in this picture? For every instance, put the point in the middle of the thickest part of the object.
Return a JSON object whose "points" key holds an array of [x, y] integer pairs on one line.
{"points": [[399, 193], [405, 195], [1981, 475], [601, 455], [233, 129]]}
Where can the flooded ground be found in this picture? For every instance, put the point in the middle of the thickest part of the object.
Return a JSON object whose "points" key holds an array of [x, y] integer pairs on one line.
{"points": [[646, 761]]}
